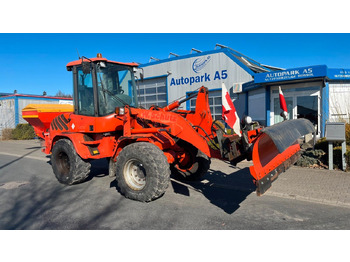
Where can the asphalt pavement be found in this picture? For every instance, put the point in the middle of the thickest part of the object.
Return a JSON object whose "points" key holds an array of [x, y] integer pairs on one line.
{"points": [[301, 198]]}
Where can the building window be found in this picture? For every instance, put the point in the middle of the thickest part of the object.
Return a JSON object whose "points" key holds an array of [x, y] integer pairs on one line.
{"points": [[152, 92], [302, 102], [215, 104]]}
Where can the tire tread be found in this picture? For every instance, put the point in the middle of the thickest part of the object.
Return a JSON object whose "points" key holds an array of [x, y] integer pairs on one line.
{"points": [[157, 163], [80, 169]]}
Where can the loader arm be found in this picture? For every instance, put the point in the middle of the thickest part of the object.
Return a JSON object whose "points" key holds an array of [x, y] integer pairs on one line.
{"points": [[176, 125]]}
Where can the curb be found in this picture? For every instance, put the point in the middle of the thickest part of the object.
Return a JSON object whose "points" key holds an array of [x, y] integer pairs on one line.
{"points": [[309, 199]]}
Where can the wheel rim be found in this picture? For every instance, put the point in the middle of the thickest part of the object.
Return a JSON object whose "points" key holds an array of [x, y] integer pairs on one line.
{"points": [[186, 161], [135, 174], [63, 163]]}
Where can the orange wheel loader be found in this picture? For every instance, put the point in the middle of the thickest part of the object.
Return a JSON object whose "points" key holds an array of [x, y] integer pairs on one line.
{"points": [[145, 146]]}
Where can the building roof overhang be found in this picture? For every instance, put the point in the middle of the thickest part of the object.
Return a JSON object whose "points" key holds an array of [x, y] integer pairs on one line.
{"points": [[249, 65]]}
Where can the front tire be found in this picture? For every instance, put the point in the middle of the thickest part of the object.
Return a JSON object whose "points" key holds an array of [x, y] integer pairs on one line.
{"points": [[68, 167], [142, 172]]}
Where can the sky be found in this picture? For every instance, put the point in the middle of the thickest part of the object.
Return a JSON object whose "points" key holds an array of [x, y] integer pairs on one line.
{"points": [[36, 62]]}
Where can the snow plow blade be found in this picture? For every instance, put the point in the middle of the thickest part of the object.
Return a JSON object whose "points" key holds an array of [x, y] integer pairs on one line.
{"points": [[276, 150]]}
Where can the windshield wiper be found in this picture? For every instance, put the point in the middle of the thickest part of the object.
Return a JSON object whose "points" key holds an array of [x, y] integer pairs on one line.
{"points": [[114, 97], [111, 94]]}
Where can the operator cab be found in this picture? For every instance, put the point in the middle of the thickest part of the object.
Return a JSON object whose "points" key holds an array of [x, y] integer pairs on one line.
{"points": [[101, 85]]}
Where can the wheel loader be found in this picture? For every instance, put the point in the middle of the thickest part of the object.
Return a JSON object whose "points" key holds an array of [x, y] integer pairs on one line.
{"points": [[145, 146]]}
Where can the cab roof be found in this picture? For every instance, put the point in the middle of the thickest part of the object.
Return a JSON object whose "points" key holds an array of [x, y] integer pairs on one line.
{"points": [[97, 59]]}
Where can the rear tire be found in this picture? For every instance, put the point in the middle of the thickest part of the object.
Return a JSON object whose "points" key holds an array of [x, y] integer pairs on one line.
{"points": [[142, 172], [196, 167], [68, 167]]}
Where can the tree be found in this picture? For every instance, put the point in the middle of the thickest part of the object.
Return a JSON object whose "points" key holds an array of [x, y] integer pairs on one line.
{"points": [[61, 94]]}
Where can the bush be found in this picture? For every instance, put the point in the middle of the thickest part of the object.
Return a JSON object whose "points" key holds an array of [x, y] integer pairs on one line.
{"points": [[337, 157], [322, 144], [23, 132], [347, 160], [347, 134], [312, 158], [7, 133]]}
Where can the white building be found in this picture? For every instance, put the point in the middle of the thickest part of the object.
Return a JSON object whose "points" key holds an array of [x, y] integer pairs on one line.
{"points": [[170, 79], [11, 107], [317, 93]]}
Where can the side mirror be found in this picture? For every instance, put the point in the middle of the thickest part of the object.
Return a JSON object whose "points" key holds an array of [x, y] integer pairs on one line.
{"points": [[141, 75], [139, 71]]}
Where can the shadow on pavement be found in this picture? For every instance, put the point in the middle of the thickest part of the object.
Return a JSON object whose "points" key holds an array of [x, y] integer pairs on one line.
{"points": [[19, 158], [46, 204], [99, 168], [34, 147], [226, 191]]}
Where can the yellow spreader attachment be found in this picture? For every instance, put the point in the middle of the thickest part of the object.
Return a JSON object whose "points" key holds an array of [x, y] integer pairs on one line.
{"points": [[40, 116]]}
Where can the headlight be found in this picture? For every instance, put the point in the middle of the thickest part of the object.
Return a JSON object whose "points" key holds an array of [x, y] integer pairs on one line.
{"points": [[120, 111]]}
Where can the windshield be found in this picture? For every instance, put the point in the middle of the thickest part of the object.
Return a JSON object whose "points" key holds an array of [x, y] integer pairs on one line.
{"points": [[115, 87]]}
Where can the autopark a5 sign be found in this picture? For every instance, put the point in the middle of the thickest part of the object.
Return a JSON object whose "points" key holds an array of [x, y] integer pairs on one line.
{"points": [[291, 74], [202, 73]]}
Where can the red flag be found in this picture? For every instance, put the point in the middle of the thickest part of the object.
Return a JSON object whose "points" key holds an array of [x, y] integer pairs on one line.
{"points": [[283, 104], [229, 113]]}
